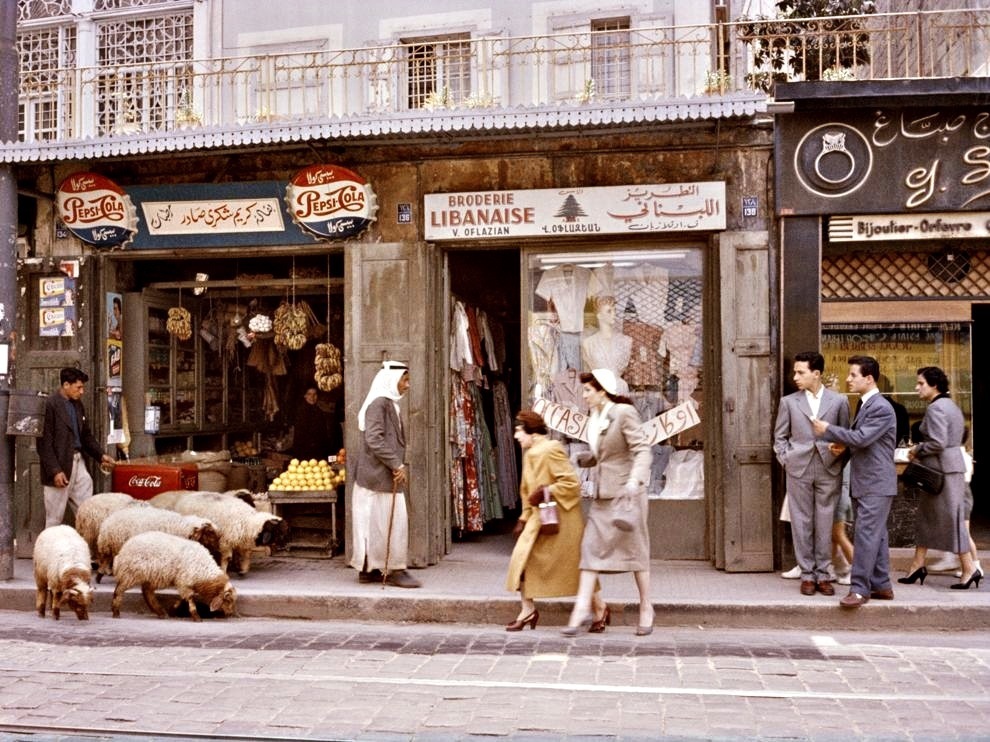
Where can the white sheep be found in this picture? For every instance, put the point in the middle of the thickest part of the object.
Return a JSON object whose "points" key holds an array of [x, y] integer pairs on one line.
{"points": [[157, 561], [94, 510], [241, 527], [128, 522], [62, 572]]}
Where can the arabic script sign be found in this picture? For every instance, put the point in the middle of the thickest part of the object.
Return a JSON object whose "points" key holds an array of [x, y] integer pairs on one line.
{"points": [[574, 424], [553, 212], [220, 216], [95, 209], [331, 202]]}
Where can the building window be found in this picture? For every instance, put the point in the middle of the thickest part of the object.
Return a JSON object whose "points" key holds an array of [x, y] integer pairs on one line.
{"points": [[44, 107], [148, 70], [438, 71], [610, 57]]}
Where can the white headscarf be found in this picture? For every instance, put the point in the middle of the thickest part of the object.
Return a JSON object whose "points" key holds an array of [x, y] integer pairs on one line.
{"points": [[385, 384]]}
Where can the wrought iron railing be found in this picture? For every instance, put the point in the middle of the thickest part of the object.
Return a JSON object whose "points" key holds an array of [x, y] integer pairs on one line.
{"points": [[655, 64]]}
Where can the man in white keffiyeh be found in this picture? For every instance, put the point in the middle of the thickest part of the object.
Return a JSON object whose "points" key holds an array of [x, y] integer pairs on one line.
{"points": [[379, 522]]}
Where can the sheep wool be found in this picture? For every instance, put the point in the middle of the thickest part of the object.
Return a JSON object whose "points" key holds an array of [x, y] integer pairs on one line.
{"points": [[62, 572], [156, 561], [92, 513], [127, 522], [241, 527]]}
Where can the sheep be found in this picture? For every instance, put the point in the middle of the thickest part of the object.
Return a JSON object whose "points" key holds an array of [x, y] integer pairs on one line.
{"points": [[127, 522], [168, 498], [241, 527], [62, 572], [94, 510], [156, 561]]}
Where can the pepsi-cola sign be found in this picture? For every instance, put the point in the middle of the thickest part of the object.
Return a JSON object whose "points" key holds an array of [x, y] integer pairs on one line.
{"points": [[331, 202], [96, 210]]}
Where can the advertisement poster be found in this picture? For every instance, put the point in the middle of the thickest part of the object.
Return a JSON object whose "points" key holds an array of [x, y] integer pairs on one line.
{"points": [[115, 339], [57, 306]]}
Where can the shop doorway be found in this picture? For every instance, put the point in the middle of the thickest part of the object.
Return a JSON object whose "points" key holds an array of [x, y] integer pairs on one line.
{"points": [[244, 377], [483, 390], [980, 521]]}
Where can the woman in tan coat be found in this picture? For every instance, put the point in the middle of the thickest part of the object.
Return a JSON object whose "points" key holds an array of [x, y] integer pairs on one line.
{"points": [[546, 566]]}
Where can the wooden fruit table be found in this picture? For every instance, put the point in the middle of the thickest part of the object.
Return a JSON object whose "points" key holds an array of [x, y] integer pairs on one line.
{"points": [[279, 499]]}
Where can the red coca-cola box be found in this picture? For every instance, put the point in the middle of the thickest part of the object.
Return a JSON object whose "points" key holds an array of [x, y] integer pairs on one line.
{"points": [[144, 481]]}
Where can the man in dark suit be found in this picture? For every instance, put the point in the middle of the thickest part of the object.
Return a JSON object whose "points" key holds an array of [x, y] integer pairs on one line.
{"points": [[813, 468], [872, 481], [65, 438]]}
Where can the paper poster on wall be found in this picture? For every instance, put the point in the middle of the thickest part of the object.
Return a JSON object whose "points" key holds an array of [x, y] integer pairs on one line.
{"points": [[115, 417], [57, 306], [115, 357], [114, 334]]}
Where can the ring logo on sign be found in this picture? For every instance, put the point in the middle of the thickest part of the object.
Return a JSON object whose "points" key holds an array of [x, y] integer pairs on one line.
{"points": [[833, 160]]}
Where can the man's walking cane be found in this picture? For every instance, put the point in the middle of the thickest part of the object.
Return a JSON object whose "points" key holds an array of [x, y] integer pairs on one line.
{"points": [[388, 541]]}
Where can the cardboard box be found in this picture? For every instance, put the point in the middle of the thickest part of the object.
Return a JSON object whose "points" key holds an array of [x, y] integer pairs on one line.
{"points": [[144, 481]]}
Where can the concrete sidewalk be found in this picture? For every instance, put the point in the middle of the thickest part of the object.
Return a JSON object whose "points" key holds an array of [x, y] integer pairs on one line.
{"points": [[468, 587]]}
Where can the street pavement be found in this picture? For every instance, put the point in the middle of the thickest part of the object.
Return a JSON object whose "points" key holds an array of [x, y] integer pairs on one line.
{"points": [[468, 587], [284, 679]]}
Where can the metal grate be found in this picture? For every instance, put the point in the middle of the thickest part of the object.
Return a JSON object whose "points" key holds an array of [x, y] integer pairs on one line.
{"points": [[29, 10], [141, 93], [950, 272], [438, 71]]}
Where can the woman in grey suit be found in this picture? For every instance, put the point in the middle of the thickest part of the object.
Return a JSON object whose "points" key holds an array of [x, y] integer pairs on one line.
{"points": [[941, 518], [616, 538]]}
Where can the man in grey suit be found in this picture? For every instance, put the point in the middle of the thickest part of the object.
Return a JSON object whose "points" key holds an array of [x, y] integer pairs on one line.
{"points": [[813, 468], [872, 481]]}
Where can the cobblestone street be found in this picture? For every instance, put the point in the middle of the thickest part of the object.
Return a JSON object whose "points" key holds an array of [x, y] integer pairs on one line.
{"points": [[248, 678]]}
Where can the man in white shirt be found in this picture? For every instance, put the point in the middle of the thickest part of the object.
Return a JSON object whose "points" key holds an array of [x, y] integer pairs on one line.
{"points": [[813, 468]]}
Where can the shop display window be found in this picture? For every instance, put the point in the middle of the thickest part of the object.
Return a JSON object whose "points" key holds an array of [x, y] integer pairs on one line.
{"points": [[901, 349], [638, 313]]}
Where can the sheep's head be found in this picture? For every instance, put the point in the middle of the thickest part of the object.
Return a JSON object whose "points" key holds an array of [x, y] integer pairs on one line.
{"points": [[225, 601], [78, 598], [207, 535], [274, 532]]}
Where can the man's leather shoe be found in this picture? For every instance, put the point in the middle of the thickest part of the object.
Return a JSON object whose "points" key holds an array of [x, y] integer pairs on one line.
{"points": [[374, 575], [853, 600], [825, 587], [886, 594], [807, 587], [402, 579]]}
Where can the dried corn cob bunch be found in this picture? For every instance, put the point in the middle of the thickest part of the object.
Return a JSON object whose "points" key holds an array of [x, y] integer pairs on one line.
{"points": [[328, 367], [291, 325], [179, 323]]}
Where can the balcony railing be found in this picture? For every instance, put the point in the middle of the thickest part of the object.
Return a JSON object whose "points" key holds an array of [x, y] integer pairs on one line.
{"points": [[657, 64]]}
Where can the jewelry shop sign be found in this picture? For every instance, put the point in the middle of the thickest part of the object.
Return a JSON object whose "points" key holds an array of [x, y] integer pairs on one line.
{"points": [[883, 227], [569, 212]]}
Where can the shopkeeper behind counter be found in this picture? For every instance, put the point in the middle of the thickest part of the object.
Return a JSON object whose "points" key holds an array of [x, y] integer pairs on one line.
{"points": [[316, 432]]}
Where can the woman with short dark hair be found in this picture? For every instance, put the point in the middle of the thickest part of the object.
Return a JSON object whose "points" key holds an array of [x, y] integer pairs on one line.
{"points": [[544, 565], [941, 519]]}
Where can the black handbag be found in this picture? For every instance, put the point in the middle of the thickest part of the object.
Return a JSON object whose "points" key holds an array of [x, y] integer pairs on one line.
{"points": [[923, 477]]}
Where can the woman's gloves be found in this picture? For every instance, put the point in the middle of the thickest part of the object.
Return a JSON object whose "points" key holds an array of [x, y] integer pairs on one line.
{"points": [[518, 528], [536, 496]]}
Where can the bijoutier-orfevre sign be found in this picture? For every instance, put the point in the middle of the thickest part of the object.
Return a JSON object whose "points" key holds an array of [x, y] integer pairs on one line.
{"points": [[548, 212]]}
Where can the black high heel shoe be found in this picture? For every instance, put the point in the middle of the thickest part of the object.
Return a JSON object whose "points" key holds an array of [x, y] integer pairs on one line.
{"points": [[598, 627], [975, 577], [918, 575], [520, 624]]}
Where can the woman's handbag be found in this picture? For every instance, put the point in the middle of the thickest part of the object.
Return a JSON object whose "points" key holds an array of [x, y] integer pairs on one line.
{"points": [[923, 477], [549, 523]]}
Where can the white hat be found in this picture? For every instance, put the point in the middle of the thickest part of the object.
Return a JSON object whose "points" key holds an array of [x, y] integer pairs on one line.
{"points": [[606, 379]]}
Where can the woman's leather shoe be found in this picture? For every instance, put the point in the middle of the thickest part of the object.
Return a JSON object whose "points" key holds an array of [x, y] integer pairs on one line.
{"points": [[598, 627], [520, 624]]}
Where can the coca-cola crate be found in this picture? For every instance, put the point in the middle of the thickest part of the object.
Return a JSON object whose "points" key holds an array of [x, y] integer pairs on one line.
{"points": [[144, 481]]}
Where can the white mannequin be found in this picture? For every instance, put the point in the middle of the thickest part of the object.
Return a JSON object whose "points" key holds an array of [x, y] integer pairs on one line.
{"points": [[606, 348]]}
